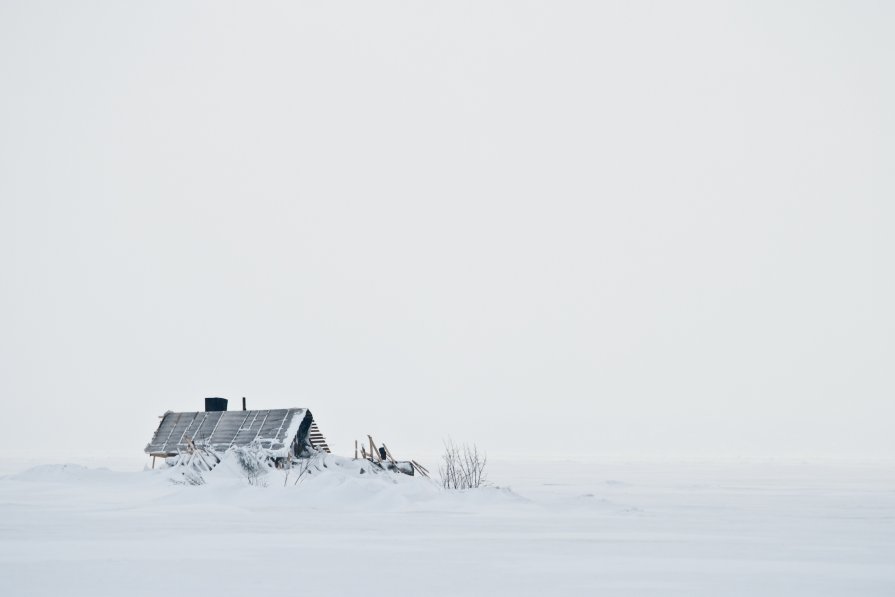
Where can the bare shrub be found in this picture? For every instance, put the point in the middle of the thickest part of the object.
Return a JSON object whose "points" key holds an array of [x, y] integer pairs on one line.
{"points": [[254, 462], [462, 467], [303, 467]]}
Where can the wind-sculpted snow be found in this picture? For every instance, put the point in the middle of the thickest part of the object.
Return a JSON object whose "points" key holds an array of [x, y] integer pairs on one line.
{"points": [[336, 483], [347, 529]]}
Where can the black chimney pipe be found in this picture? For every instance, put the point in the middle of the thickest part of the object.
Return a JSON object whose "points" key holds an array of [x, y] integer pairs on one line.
{"points": [[243, 403], [215, 404]]}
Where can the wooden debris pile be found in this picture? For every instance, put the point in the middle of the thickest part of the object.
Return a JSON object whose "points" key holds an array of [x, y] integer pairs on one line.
{"points": [[194, 461], [382, 457]]}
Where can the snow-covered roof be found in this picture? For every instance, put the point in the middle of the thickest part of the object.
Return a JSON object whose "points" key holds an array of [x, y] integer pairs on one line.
{"points": [[273, 429]]}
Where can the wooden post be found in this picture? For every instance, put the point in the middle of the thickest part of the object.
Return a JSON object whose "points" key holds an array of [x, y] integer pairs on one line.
{"points": [[153, 462], [355, 449], [389, 454], [373, 450]]}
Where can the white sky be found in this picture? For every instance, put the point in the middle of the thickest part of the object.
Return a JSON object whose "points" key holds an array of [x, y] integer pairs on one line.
{"points": [[577, 229]]}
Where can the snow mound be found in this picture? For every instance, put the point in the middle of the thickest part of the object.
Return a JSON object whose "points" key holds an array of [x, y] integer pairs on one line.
{"points": [[326, 481]]}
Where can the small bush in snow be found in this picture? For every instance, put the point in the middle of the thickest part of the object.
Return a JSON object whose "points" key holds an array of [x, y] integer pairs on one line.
{"points": [[303, 467], [462, 467], [254, 462]]}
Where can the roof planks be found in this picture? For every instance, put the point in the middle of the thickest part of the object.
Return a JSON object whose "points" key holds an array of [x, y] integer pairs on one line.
{"points": [[273, 429]]}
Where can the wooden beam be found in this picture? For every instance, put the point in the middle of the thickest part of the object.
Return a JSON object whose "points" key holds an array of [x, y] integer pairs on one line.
{"points": [[415, 465], [389, 454], [373, 449]]}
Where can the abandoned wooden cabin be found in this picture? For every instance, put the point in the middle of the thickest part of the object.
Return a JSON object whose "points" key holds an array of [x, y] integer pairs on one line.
{"points": [[282, 433]]}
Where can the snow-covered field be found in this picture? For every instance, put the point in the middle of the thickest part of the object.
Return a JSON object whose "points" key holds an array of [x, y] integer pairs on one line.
{"points": [[674, 528]]}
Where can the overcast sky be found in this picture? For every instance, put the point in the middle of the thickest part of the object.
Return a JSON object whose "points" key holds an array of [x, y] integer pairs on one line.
{"points": [[567, 229]]}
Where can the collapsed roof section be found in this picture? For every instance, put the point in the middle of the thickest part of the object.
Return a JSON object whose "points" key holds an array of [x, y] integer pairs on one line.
{"points": [[280, 431]]}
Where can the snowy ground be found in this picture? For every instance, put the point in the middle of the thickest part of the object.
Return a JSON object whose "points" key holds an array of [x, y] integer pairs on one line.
{"points": [[563, 529]]}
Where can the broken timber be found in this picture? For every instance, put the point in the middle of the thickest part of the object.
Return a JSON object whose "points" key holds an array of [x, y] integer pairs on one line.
{"points": [[383, 458]]}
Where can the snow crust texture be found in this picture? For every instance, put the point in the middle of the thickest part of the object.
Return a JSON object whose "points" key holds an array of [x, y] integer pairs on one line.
{"points": [[343, 529]]}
